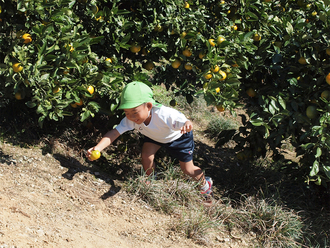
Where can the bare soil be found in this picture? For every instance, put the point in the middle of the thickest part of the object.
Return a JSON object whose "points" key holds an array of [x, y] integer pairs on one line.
{"points": [[53, 200]]}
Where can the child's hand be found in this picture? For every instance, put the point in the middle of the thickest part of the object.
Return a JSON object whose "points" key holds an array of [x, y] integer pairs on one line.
{"points": [[89, 153], [187, 127]]}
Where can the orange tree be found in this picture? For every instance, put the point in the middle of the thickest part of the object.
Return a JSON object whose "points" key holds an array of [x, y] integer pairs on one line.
{"points": [[52, 51], [286, 84], [274, 55]]}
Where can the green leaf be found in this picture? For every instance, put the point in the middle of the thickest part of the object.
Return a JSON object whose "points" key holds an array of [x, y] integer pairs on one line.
{"points": [[289, 28], [326, 169], [307, 146], [282, 102], [257, 122], [318, 152], [85, 115], [315, 169]]}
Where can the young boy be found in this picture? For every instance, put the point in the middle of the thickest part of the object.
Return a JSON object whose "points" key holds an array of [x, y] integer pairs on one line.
{"points": [[161, 126]]}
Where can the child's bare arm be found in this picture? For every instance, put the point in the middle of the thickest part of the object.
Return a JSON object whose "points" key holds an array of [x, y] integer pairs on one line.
{"points": [[187, 127], [107, 139]]}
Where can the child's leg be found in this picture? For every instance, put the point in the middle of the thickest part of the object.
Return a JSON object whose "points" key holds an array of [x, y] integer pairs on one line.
{"points": [[148, 154], [193, 171], [205, 185]]}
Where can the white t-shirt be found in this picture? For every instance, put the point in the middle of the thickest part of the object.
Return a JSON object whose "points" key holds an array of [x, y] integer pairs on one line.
{"points": [[164, 126]]}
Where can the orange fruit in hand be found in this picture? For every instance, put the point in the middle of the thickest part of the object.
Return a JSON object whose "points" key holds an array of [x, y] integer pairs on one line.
{"points": [[95, 154]]}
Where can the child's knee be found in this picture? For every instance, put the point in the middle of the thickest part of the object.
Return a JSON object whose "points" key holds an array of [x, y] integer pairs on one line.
{"points": [[147, 156]]}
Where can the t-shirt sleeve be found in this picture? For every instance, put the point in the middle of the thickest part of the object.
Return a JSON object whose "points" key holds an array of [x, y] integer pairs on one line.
{"points": [[125, 125]]}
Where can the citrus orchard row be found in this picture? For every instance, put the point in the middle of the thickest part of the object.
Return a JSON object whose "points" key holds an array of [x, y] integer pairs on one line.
{"points": [[271, 57]]}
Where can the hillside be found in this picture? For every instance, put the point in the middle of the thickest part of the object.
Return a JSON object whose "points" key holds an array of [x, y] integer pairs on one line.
{"points": [[52, 200]]}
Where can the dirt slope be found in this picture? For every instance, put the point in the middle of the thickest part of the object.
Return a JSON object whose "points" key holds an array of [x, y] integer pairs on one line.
{"points": [[46, 204], [42, 205]]}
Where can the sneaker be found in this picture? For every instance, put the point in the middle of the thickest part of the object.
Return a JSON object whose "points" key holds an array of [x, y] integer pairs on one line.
{"points": [[208, 192]]}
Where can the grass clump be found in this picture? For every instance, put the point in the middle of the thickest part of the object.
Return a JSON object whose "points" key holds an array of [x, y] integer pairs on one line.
{"points": [[273, 225], [172, 193]]}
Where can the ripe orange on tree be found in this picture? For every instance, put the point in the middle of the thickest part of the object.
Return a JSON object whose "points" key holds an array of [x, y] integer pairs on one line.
{"points": [[251, 92], [149, 65], [27, 38], [90, 89], [80, 103], [302, 61], [327, 51], [201, 55], [56, 89], [327, 78], [208, 75], [211, 41], [135, 48], [145, 51], [176, 63], [18, 96], [186, 5], [256, 37], [217, 90], [17, 67], [215, 68], [223, 74], [325, 95], [220, 108], [188, 66], [187, 52]]}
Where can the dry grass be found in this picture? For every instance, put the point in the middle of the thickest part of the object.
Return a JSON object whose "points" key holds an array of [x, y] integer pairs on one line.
{"points": [[172, 193]]}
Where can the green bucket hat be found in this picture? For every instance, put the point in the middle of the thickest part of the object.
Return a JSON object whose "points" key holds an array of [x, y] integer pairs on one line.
{"points": [[135, 94]]}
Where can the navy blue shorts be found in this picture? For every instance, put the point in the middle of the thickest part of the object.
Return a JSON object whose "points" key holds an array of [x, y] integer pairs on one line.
{"points": [[181, 149]]}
